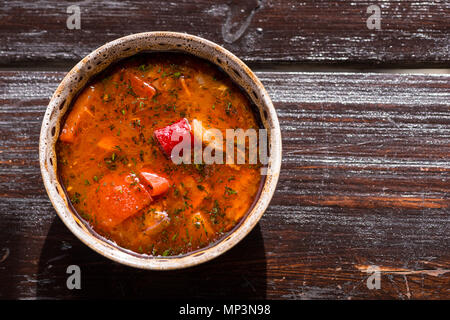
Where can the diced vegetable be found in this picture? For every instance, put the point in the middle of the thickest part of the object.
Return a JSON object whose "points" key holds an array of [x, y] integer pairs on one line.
{"points": [[157, 185], [108, 143], [158, 84], [141, 87], [185, 87], [116, 198], [180, 129], [222, 88], [80, 113]]}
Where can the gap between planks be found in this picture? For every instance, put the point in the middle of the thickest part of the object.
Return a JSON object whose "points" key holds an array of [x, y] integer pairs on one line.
{"points": [[256, 67]]}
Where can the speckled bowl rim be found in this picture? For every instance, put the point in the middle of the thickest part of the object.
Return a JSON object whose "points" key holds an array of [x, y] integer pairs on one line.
{"points": [[96, 62]]}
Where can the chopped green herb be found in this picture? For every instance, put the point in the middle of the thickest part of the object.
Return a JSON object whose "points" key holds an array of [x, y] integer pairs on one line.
{"points": [[228, 109], [76, 198], [229, 191]]}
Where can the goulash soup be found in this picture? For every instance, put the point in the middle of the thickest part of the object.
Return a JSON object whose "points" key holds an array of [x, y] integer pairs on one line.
{"points": [[115, 154]]}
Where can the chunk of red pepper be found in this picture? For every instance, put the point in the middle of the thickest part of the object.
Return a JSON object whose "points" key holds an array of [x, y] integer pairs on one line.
{"points": [[168, 137], [157, 184]]}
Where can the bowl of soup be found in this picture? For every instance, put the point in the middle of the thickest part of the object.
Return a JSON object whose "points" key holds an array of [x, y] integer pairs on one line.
{"points": [[160, 150]]}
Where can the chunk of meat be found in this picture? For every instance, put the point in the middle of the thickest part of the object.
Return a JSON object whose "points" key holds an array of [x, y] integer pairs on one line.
{"points": [[157, 184], [79, 114], [154, 222], [168, 137], [117, 197], [202, 134], [199, 227]]}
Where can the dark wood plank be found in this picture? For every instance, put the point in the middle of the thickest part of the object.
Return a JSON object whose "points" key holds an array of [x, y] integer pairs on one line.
{"points": [[413, 33], [365, 181]]}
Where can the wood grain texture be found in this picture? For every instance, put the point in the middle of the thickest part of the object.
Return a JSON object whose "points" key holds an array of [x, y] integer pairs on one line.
{"points": [[364, 181], [413, 33]]}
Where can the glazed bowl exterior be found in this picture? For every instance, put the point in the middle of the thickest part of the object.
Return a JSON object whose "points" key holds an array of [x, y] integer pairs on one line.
{"points": [[98, 61]]}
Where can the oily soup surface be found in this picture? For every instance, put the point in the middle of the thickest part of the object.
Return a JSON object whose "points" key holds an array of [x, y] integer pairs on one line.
{"points": [[107, 150]]}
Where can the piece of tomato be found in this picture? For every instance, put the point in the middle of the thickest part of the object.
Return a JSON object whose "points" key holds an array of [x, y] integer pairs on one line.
{"points": [[115, 198], [157, 185]]}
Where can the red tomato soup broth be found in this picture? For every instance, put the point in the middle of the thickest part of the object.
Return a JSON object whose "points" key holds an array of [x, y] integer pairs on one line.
{"points": [[114, 164]]}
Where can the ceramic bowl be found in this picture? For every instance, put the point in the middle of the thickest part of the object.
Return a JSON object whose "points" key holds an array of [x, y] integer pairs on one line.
{"points": [[96, 62]]}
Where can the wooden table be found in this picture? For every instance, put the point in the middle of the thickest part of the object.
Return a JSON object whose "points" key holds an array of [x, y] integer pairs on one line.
{"points": [[366, 168]]}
